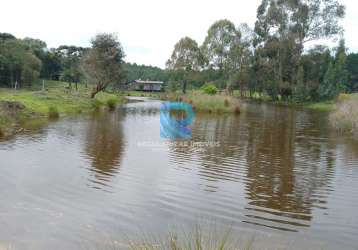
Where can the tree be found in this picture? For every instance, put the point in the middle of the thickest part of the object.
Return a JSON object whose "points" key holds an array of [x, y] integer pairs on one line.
{"points": [[352, 68], [341, 66], [135, 72], [222, 37], [282, 29], [239, 60], [103, 64], [329, 89], [18, 63], [51, 65], [184, 59]]}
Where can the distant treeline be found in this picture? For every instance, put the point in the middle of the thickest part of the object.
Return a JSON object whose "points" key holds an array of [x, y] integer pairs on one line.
{"points": [[134, 71], [24, 61]]}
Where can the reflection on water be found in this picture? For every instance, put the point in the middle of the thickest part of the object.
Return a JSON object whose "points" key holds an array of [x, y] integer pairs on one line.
{"points": [[270, 171], [104, 145]]}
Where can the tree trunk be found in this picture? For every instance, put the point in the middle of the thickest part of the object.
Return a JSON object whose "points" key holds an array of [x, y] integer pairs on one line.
{"points": [[97, 89], [184, 87]]}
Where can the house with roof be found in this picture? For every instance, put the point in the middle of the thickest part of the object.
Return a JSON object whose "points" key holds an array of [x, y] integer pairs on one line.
{"points": [[149, 86]]}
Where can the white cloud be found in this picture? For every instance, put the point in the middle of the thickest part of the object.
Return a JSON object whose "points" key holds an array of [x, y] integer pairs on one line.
{"points": [[147, 29]]}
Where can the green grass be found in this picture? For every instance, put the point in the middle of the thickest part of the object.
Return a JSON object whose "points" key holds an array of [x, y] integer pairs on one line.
{"points": [[56, 101], [217, 104], [321, 106], [67, 102]]}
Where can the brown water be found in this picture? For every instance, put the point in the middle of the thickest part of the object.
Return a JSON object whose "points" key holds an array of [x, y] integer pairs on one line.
{"points": [[277, 173]]}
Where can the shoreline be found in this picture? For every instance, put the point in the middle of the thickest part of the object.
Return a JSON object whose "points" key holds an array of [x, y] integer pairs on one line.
{"points": [[19, 108]]}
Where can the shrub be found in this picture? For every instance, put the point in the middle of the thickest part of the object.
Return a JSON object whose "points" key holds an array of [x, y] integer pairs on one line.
{"points": [[1, 132], [111, 104], [53, 112], [210, 89]]}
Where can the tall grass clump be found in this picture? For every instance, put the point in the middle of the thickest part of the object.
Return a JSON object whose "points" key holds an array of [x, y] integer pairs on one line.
{"points": [[111, 104], [195, 240], [345, 116], [53, 112]]}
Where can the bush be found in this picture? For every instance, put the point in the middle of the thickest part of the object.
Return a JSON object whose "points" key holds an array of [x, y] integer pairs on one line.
{"points": [[210, 89], [111, 104], [53, 113]]}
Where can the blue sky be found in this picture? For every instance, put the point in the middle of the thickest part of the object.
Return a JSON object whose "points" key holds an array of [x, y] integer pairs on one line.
{"points": [[147, 29]]}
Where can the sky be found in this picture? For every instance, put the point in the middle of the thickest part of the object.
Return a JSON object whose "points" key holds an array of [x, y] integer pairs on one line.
{"points": [[147, 29]]}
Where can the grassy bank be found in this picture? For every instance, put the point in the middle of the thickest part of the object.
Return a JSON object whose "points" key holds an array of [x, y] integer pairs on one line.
{"points": [[141, 94], [20, 106], [318, 105], [207, 103]]}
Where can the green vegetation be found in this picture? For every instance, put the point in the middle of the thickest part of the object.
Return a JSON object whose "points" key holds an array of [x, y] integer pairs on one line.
{"points": [[18, 106], [140, 94], [134, 71], [202, 102], [321, 106], [53, 113], [198, 239], [345, 116], [210, 89], [270, 61], [103, 63], [111, 103]]}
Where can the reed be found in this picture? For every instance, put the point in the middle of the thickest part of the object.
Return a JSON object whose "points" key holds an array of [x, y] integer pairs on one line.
{"points": [[345, 117], [197, 239]]}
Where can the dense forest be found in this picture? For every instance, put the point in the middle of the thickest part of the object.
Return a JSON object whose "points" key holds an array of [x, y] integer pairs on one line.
{"points": [[274, 59]]}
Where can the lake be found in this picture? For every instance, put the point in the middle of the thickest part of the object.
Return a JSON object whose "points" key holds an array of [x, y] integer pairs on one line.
{"points": [[278, 174]]}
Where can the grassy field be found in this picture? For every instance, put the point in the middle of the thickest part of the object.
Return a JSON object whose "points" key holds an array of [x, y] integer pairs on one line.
{"points": [[56, 101]]}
